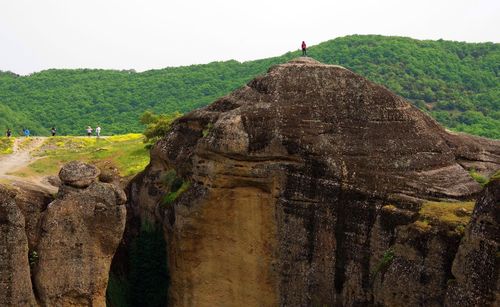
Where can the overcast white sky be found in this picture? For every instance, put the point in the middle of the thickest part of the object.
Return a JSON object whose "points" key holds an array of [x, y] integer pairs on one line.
{"points": [[145, 34]]}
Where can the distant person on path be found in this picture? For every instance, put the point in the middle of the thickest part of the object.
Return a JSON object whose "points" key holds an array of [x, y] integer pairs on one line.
{"points": [[98, 131], [89, 131], [53, 131], [304, 49], [8, 133], [26, 132]]}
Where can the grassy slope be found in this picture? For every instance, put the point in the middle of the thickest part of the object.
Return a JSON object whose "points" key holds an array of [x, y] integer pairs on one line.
{"points": [[457, 82], [125, 152], [6, 145]]}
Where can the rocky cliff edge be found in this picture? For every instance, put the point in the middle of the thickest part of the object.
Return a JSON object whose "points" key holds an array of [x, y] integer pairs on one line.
{"points": [[305, 187]]}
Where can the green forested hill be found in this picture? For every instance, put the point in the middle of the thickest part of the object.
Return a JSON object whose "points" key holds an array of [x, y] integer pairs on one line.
{"points": [[458, 83]]}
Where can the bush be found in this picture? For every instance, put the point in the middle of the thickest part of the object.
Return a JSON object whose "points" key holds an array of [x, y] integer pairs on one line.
{"points": [[478, 177], [157, 126]]}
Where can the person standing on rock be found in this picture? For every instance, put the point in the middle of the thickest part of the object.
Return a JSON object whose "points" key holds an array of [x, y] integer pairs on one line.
{"points": [[98, 131], [8, 133], [89, 131], [304, 49], [53, 131]]}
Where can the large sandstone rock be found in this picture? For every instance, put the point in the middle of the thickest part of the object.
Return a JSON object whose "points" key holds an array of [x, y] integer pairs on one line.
{"points": [[288, 177]]}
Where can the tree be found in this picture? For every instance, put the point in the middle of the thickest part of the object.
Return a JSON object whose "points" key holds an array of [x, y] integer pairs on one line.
{"points": [[157, 126]]}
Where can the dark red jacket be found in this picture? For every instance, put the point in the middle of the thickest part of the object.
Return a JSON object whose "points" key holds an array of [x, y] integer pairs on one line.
{"points": [[303, 45]]}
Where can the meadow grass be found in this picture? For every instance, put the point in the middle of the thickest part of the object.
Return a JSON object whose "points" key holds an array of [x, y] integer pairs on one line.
{"points": [[125, 152], [6, 145]]}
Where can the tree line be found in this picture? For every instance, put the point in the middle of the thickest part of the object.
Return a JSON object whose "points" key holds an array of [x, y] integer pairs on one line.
{"points": [[455, 82]]}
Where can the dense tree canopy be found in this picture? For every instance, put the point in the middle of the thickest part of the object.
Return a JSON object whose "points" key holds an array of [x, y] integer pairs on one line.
{"points": [[457, 83]]}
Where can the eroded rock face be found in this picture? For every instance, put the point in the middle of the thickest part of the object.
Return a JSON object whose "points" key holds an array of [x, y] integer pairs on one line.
{"points": [[419, 272], [288, 177], [32, 202], [81, 230], [15, 282], [71, 241], [476, 267]]}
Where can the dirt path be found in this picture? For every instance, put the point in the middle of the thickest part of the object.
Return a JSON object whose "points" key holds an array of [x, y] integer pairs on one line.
{"points": [[21, 157]]}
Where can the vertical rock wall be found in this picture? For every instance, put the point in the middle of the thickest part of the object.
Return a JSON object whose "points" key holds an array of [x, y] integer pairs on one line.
{"points": [[15, 281]]}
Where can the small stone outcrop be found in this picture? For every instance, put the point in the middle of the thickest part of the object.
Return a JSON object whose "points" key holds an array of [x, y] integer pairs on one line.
{"points": [[62, 254], [79, 174], [302, 189]]}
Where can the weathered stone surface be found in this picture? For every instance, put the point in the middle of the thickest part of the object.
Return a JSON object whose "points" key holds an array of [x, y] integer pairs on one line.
{"points": [[32, 201], [15, 282], [419, 272], [147, 189], [54, 181], [70, 240], [289, 176], [78, 174], [80, 233], [476, 268]]}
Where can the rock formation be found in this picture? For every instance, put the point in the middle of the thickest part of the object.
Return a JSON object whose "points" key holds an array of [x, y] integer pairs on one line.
{"points": [[68, 243], [303, 188], [15, 283], [476, 267]]}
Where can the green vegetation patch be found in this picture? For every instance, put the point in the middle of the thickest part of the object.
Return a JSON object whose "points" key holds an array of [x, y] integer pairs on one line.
{"points": [[207, 129], [384, 262], [176, 185], [495, 176], [125, 152], [172, 196], [478, 177], [6, 145], [453, 214], [157, 125]]}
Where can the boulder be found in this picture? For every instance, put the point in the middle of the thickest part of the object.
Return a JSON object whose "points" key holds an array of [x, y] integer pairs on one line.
{"points": [[78, 174]]}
